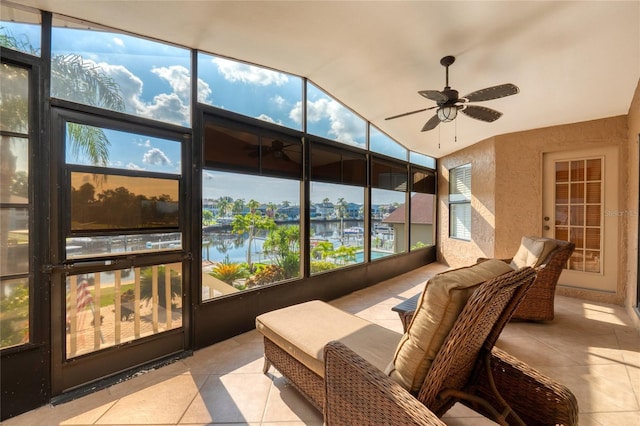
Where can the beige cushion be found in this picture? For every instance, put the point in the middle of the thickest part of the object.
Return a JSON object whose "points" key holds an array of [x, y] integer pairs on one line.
{"points": [[303, 330], [440, 304], [532, 252]]}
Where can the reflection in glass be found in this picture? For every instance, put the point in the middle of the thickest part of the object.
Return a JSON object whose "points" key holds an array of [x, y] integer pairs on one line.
{"points": [[14, 243], [102, 202], [112, 70], [79, 247], [14, 99], [422, 220], [14, 306], [328, 118], [19, 30], [14, 170], [95, 146], [388, 222], [104, 309], [337, 226], [250, 232], [251, 90], [379, 142]]}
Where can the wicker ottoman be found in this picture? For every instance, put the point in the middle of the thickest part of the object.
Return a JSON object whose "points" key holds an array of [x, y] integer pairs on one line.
{"points": [[295, 337]]}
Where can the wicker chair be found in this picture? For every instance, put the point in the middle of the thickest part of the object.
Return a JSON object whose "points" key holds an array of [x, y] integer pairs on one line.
{"points": [[538, 303]]}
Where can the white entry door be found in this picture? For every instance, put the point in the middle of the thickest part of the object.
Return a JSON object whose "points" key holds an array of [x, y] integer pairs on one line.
{"points": [[580, 204]]}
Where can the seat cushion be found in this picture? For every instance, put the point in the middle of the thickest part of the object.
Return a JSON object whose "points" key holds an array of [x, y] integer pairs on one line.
{"points": [[532, 252], [303, 330], [442, 300]]}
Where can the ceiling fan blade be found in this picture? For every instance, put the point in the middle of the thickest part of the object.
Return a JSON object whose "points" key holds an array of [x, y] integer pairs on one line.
{"points": [[431, 124], [482, 113], [406, 113], [494, 92], [434, 95]]}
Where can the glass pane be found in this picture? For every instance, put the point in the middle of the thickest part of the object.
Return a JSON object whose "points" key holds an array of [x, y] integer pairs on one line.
{"points": [[577, 193], [230, 147], [104, 309], [379, 142], [460, 221], [14, 99], [422, 220], [460, 183], [19, 30], [423, 181], [388, 176], [14, 306], [120, 72], [254, 91], [281, 157], [79, 247], [95, 146], [576, 261], [562, 193], [562, 171], [594, 169], [577, 215], [562, 234], [577, 236], [592, 261], [14, 240], [422, 160], [593, 192], [250, 232], [328, 118], [14, 170], [577, 171], [388, 221], [102, 202], [562, 215], [592, 238], [338, 166], [337, 226], [593, 215]]}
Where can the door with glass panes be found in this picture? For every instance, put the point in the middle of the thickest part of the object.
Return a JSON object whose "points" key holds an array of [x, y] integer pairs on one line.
{"points": [[119, 263], [581, 206]]}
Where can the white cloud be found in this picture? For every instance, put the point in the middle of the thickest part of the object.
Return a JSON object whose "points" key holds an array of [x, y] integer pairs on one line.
{"points": [[265, 117], [279, 101], [343, 125], [178, 78], [237, 71], [118, 41], [172, 108], [156, 157], [204, 91], [133, 166]]}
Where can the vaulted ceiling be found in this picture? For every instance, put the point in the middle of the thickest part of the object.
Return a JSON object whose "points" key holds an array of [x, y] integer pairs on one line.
{"points": [[572, 60]]}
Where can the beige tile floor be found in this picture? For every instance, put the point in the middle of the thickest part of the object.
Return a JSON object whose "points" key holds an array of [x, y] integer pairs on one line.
{"points": [[589, 347]]}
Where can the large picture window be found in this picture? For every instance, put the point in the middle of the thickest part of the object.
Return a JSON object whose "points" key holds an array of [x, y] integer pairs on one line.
{"points": [[460, 202]]}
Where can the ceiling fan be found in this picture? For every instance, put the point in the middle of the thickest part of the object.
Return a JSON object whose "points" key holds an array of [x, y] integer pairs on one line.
{"points": [[276, 150], [448, 102]]}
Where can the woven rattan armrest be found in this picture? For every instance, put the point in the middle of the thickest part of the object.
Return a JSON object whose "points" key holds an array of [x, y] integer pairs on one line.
{"points": [[357, 393], [536, 398]]}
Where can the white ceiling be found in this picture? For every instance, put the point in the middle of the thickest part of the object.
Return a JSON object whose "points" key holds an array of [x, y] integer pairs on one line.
{"points": [[573, 61]]}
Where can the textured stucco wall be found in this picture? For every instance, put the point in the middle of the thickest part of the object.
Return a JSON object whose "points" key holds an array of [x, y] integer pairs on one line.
{"points": [[507, 189], [632, 205], [456, 252]]}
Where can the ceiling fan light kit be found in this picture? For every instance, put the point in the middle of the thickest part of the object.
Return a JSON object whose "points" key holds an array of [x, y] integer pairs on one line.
{"points": [[448, 103]]}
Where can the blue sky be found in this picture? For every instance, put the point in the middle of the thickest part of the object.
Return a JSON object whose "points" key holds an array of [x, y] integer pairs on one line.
{"points": [[155, 81]]}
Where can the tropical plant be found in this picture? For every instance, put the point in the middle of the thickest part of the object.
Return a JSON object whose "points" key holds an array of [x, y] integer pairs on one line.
{"points": [[228, 272], [250, 224], [322, 266], [282, 245], [321, 250], [267, 275], [344, 254]]}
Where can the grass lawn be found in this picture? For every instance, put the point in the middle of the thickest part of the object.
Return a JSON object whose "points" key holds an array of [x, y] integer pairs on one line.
{"points": [[107, 296]]}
